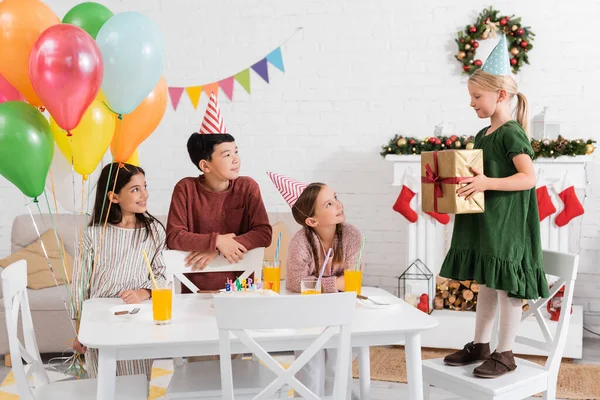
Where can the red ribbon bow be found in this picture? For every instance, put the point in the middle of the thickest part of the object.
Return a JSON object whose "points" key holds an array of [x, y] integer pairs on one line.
{"points": [[432, 176]]}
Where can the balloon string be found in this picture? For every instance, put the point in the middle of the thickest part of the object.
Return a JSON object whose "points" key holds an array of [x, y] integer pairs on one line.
{"points": [[58, 239]]}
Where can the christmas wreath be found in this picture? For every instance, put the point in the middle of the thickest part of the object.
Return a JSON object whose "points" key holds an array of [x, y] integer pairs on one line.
{"points": [[489, 23], [541, 148]]}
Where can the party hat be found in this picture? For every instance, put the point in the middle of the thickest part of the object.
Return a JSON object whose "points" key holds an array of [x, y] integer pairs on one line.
{"points": [[213, 121], [498, 62], [289, 188]]}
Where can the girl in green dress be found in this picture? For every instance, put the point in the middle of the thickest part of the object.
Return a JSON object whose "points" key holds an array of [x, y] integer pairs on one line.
{"points": [[500, 248]]}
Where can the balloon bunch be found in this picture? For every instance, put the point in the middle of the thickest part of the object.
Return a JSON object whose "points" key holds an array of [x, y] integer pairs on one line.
{"points": [[99, 76]]}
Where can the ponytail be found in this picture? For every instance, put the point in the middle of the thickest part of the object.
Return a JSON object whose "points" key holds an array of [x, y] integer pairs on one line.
{"points": [[522, 112]]}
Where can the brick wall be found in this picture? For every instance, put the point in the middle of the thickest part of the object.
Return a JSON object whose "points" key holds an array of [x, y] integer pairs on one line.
{"points": [[357, 73]]}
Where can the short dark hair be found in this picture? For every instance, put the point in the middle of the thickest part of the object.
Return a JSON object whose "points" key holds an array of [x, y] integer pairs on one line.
{"points": [[201, 146]]}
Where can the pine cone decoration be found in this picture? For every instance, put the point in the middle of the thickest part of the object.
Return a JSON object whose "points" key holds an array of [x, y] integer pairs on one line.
{"points": [[536, 146], [560, 146]]}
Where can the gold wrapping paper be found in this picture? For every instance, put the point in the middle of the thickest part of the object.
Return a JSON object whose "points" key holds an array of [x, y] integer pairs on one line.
{"points": [[451, 164]]}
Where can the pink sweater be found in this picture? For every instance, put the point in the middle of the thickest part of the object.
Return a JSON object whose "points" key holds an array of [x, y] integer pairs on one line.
{"points": [[301, 264]]}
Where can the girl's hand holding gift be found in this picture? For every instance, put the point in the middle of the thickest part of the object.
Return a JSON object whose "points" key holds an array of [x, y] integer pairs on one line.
{"points": [[476, 184]]}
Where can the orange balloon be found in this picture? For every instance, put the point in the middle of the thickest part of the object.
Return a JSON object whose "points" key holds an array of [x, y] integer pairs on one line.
{"points": [[137, 126], [21, 22]]}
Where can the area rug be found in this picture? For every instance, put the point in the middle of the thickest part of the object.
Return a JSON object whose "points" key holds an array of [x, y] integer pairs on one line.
{"points": [[575, 381]]}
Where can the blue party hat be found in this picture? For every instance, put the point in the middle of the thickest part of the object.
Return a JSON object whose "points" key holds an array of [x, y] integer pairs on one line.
{"points": [[498, 62]]}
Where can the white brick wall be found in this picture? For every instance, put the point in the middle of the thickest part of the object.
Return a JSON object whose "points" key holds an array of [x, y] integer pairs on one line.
{"points": [[358, 73]]}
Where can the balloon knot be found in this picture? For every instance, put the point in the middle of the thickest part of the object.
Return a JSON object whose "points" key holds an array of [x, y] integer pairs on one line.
{"points": [[42, 109], [69, 134], [120, 116], [85, 177], [121, 165], [35, 200]]}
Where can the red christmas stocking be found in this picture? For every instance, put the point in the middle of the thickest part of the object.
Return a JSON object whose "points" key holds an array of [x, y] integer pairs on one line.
{"points": [[402, 204], [441, 218], [573, 207], [545, 205]]}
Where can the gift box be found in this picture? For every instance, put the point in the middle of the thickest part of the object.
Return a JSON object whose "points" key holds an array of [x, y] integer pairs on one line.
{"points": [[441, 174]]}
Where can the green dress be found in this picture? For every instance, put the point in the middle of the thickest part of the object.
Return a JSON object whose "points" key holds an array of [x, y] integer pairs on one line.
{"points": [[500, 248]]}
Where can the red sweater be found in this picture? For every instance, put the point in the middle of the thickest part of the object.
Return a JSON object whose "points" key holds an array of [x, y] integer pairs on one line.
{"points": [[198, 215]]}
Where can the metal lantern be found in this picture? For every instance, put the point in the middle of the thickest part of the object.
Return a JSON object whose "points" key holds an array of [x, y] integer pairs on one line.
{"points": [[416, 286], [544, 127]]}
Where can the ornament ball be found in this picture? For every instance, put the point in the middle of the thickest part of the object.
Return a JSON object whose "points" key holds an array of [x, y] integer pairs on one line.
{"points": [[401, 142], [589, 148], [524, 43], [457, 144], [470, 146], [473, 29], [514, 51], [448, 142], [461, 55], [466, 68], [467, 46], [513, 61], [478, 63], [476, 44], [503, 22], [514, 28], [520, 32]]}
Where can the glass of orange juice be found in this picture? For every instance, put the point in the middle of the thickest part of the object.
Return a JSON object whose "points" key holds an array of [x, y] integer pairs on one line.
{"points": [[310, 286], [162, 303], [352, 278], [271, 275]]}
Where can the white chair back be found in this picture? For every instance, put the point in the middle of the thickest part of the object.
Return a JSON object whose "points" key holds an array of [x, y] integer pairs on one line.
{"points": [[176, 268], [14, 288], [564, 266], [331, 313]]}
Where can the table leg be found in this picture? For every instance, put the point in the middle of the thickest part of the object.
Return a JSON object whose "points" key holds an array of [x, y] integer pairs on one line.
{"points": [[364, 373], [107, 374], [414, 369]]}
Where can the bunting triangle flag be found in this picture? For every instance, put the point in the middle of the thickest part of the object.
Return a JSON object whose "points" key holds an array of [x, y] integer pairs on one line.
{"points": [[227, 86], [261, 69], [175, 95], [275, 59], [243, 79], [194, 94], [211, 88]]}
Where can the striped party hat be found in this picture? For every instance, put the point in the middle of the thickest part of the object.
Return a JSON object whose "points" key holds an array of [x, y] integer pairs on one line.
{"points": [[213, 121], [289, 188]]}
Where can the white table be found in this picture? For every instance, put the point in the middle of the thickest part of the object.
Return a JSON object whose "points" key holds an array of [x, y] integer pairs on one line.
{"points": [[193, 332]]}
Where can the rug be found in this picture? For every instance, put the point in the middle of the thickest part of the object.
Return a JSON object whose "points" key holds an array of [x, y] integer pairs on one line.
{"points": [[575, 381]]}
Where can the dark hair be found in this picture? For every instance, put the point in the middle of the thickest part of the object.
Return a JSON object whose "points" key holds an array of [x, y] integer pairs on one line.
{"points": [[201, 146], [305, 208], [113, 178]]}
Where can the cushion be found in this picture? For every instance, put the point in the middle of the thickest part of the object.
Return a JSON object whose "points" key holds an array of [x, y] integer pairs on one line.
{"points": [[279, 226], [39, 275]]}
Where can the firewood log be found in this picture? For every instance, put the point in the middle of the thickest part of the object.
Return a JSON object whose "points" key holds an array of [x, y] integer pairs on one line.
{"points": [[468, 294], [454, 285], [452, 299], [438, 303], [467, 284], [474, 287]]}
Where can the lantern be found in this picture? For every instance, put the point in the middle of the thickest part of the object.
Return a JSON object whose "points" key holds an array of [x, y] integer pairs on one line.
{"points": [[554, 305], [544, 126]]}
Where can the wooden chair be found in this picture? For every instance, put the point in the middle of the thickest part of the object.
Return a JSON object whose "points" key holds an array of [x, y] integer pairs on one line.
{"points": [[333, 313], [14, 287], [529, 378]]}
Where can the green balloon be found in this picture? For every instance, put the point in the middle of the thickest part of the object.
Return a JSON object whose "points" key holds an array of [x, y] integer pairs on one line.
{"points": [[89, 16], [26, 147]]}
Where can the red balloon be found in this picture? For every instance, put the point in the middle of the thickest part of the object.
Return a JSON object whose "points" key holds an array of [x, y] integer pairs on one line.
{"points": [[8, 92], [66, 71]]}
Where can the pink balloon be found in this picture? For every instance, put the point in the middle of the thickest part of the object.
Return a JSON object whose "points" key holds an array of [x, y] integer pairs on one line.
{"points": [[8, 91], [66, 71]]}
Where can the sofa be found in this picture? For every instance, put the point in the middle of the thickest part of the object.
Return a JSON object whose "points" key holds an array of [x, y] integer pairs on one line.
{"points": [[53, 327]]}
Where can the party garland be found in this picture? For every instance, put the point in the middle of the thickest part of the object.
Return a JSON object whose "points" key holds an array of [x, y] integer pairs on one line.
{"points": [[546, 148], [489, 22]]}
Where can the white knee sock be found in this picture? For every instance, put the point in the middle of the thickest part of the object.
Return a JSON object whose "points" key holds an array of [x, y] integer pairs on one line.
{"points": [[487, 303], [510, 318]]}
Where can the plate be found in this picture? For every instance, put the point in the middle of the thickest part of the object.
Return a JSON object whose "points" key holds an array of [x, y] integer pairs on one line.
{"points": [[369, 304], [144, 308]]}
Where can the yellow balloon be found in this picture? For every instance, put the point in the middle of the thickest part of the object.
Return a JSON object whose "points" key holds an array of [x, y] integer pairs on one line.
{"points": [[90, 139], [134, 159]]}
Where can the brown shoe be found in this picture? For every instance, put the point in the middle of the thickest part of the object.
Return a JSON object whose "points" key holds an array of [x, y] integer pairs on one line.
{"points": [[497, 365], [471, 353]]}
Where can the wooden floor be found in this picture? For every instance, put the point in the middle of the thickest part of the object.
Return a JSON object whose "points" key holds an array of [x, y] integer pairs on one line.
{"points": [[391, 390]]}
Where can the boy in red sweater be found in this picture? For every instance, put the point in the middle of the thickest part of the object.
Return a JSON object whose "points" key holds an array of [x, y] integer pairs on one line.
{"points": [[219, 211]]}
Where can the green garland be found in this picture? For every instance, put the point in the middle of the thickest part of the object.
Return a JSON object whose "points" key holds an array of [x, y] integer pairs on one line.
{"points": [[541, 148], [519, 39]]}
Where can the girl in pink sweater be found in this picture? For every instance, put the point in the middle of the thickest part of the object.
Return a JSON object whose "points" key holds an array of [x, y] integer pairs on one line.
{"points": [[322, 217]]}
